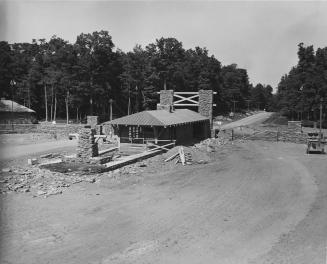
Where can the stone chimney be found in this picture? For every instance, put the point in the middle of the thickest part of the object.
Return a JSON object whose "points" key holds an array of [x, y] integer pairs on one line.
{"points": [[166, 101]]}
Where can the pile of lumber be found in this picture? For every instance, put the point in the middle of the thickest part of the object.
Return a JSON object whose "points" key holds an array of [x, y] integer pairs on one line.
{"points": [[181, 157]]}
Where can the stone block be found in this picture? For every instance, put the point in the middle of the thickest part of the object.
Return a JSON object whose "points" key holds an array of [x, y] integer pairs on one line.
{"points": [[166, 97]]}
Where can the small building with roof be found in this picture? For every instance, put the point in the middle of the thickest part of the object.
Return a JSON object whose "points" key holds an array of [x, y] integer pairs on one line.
{"points": [[12, 112], [182, 125]]}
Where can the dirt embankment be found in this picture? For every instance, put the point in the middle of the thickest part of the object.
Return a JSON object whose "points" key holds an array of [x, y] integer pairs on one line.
{"points": [[256, 202]]}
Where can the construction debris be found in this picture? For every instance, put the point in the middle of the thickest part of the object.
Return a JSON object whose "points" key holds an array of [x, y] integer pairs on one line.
{"points": [[172, 157], [31, 161], [41, 182], [186, 156], [181, 155]]}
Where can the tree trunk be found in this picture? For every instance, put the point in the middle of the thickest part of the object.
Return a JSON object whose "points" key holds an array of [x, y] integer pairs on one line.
{"points": [[51, 107], [55, 108], [46, 103], [29, 96], [67, 113], [76, 114]]}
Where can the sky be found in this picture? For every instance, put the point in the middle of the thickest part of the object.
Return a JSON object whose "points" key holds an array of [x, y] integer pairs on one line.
{"points": [[260, 36]]}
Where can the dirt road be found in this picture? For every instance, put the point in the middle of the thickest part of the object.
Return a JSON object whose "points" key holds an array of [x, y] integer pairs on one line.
{"points": [[258, 202], [251, 120]]}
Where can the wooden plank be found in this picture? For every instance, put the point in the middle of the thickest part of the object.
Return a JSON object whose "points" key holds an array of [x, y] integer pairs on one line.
{"points": [[101, 152], [186, 104], [181, 155], [112, 165], [186, 93], [172, 157], [183, 98], [161, 147]]}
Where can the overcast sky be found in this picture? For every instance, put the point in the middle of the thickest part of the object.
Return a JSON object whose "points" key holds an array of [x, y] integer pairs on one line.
{"points": [[261, 37]]}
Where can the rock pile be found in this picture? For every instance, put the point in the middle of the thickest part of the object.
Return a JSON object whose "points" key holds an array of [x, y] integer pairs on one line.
{"points": [[40, 182], [196, 154]]}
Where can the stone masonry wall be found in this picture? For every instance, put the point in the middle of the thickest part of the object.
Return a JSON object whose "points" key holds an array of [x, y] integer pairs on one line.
{"points": [[60, 130], [205, 103], [285, 135], [86, 146]]}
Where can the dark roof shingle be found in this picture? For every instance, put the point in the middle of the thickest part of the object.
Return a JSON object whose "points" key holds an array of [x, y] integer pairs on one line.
{"points": [[159, 118]]}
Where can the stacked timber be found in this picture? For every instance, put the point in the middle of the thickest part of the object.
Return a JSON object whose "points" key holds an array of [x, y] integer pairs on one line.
{"points": [[86, 147]]}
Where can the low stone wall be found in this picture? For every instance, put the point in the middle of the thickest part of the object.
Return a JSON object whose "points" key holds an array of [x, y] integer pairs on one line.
{"points": [[288, 135], [18, 128], [60, 130]]}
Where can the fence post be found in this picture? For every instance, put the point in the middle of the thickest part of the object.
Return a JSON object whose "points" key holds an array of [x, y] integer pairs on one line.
{"points": [[232, 134], [277, 134]]}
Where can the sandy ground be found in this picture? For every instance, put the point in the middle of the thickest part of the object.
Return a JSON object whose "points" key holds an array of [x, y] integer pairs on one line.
{"points": [[257, 202]]}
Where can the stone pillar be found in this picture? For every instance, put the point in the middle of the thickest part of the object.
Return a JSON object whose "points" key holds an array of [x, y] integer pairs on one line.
{"points": [[206, 104], [86, 146], [166, 100], [92, 121]]}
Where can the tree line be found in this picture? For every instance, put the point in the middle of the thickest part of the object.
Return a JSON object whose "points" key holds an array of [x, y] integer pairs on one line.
{"points": [[59, 79], [304, 88]]}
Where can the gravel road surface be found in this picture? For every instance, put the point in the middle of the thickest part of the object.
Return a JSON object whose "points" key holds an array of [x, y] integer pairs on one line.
{"points": [[257, 202]]}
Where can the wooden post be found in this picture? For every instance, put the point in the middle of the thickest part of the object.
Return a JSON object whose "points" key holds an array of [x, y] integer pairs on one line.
{"points": [[155, 132], [232, 134], [277, 134]]}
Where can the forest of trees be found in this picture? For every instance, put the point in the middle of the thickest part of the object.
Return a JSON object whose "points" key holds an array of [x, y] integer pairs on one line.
{"points": [[301, 91], [59, 79]]}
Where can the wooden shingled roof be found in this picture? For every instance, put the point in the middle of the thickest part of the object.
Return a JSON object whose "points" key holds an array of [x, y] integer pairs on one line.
{"points": [[160, 118], [8, 106]]}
